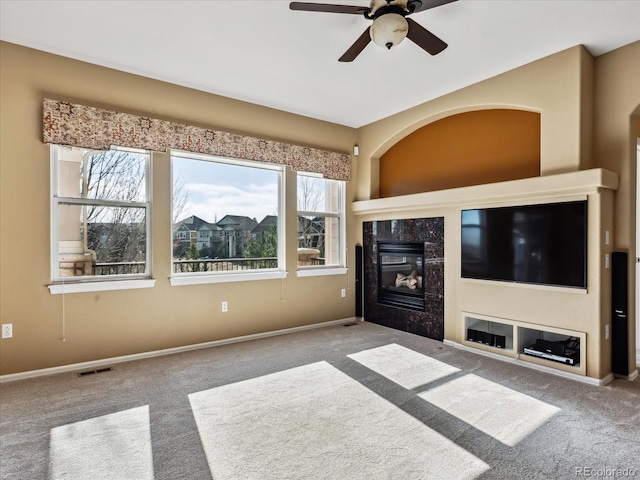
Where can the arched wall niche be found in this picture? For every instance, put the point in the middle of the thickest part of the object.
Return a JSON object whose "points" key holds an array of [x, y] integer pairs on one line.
{"points": [[461, 148], [402, 133]]}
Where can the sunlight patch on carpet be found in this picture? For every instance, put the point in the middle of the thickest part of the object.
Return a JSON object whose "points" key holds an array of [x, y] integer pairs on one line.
{"points": [[117, 445], [504, 414], [403, 366], [315, 422]]}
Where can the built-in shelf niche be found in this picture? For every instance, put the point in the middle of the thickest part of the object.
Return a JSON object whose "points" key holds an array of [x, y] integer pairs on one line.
{"points": [[519, 336], [487, 333]]}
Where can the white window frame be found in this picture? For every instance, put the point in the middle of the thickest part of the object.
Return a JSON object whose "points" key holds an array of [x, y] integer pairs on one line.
{"points": [[340, 268], [94, 283], [199, 278]]}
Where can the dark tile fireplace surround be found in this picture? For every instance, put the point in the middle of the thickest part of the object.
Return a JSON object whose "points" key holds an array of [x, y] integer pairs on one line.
{"points": [[404, 282]]}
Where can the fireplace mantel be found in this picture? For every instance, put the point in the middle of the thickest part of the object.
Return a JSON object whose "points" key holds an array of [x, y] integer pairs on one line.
{"points": [[545, 187]]}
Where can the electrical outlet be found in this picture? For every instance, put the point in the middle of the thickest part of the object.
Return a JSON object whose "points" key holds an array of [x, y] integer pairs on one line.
{"points": [[225, 306], [7, 330], [606, 332], [343, 293]]}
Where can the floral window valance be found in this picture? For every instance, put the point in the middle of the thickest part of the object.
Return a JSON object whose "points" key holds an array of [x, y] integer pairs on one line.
{"points": [[89, 127]]}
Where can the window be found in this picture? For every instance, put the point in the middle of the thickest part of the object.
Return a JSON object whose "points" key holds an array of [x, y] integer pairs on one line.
{"points": [[100, 213], [321, 239], [227, 219]]}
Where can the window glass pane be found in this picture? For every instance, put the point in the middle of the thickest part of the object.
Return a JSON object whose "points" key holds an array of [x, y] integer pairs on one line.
{"points": [[68, 168], [318, 194], [99, 240], [333, 241], [104, 175], [311, 194], [310, 240], [225, 216], [116, 175], [318, 240]]}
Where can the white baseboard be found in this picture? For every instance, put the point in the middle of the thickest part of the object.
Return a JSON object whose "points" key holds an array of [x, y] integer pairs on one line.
{"points": [[167, 351], [631, 377], [580, 378]]}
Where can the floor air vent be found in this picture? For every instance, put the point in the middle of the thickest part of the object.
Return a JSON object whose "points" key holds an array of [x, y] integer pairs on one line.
{"points": [[91, 372]]}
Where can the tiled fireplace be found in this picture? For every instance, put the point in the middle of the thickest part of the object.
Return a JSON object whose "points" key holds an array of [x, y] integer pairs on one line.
{"points": [[404, 275]]}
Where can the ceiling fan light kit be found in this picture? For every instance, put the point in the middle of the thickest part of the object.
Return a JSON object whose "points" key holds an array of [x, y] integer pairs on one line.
{"points": [[389, 25], [389, 30]]}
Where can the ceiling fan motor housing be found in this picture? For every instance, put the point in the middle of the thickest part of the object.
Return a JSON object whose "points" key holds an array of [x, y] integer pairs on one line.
{"points": [[376, 5]]}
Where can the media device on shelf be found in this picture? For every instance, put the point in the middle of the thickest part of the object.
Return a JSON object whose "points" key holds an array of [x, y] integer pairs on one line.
{"points": [[544, 244], [566, 351], [486, 338]]}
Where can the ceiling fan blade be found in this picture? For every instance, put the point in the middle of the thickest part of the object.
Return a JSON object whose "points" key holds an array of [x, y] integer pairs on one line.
{"points": [[415, 6], [424, 38], [329, 8], [355, 49]]}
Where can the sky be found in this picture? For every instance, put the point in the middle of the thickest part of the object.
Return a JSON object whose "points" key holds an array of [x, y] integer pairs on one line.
{"points": [[215, 190]]}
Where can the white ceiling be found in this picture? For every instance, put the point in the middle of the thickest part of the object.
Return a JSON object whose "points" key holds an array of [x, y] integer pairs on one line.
{"points": [[264, 53]]}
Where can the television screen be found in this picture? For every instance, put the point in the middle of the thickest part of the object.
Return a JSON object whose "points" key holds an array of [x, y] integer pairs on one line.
{"points": [[542, 244]]}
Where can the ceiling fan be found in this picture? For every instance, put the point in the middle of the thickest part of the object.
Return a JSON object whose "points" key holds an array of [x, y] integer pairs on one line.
{"points": [[390, 23]]}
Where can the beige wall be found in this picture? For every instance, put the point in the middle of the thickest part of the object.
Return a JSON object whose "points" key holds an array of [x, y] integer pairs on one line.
{"points": [[551, 86], [616, 127], [113, 323], [565, 89]]}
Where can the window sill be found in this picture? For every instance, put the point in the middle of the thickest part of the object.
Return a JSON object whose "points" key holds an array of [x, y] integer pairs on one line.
{"points": [[62, 288], [316, 272], [225, 278]]}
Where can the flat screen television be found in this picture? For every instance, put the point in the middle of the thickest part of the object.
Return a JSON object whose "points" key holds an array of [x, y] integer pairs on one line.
{"points": [[543, 244]]}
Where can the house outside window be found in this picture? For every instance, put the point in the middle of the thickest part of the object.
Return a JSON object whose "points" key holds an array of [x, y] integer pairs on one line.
{"points": [[321, 216], [226, 200], [100, 211]]}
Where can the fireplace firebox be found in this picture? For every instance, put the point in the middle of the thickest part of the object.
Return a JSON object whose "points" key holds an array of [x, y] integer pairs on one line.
{"points": [[401, 274]]}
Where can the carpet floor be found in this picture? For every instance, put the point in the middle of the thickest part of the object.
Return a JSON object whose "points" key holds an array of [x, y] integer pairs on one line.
{"points": [[357, 402]]}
